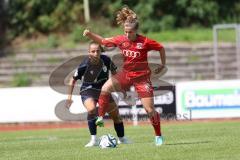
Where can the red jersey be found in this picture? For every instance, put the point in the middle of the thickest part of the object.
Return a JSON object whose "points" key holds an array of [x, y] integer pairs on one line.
{"points": [[134, 53]]}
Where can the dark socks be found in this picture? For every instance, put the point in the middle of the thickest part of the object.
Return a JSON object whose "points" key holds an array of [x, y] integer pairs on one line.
{"points": [[91, 124], [119, 128]]}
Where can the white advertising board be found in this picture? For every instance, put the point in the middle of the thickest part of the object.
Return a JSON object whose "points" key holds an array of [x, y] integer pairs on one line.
{"points": [[32, 104], [208, 99]]}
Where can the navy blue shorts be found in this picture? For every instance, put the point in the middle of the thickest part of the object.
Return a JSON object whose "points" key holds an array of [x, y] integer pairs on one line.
{"points": [[93, 94]]}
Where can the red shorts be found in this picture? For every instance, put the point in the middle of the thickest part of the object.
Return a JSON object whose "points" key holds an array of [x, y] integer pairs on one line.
{"points": [[142, 84]]}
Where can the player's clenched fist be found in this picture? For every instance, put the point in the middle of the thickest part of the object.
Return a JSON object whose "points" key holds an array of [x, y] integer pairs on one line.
{"points": [[85, 32]]}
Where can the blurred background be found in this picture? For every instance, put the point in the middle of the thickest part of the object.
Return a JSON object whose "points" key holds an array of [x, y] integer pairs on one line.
{"points": [[36, 35]]}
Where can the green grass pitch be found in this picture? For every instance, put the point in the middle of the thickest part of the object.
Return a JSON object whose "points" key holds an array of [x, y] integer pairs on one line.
{"points": [[183, 141]]}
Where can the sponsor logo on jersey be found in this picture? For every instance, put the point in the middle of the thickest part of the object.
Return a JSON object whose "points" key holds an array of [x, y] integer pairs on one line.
{"points": [[131, 54]]}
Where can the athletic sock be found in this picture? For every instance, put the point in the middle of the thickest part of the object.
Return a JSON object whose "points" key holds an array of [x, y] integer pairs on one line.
{"points": [[119, 128], [91, 124], [93, 137], [155, 120], [103, 102]]}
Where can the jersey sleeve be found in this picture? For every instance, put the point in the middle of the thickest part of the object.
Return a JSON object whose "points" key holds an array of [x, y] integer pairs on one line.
{"points": [[153, 45], [110, 42], [79, 72]]}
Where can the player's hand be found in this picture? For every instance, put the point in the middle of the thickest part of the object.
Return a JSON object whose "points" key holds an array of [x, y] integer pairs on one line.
{"points": [[68, 103], [86, 32], [159, 69]]}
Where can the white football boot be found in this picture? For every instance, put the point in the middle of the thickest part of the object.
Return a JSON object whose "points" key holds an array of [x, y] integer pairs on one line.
{"points": [[93, 142]]}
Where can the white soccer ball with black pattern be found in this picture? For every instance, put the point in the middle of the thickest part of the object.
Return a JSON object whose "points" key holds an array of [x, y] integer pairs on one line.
{"points": [[107, 141]]}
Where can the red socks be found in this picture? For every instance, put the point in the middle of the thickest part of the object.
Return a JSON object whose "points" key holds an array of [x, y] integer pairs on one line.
{"points": [[155, 120], [103, 102]]}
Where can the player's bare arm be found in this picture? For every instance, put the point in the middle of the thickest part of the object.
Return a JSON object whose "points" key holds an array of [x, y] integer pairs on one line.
{"points": [[163, 61], [95, 37], [70, 90]]}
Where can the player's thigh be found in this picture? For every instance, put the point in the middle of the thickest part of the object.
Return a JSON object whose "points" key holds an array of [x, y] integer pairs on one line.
{"points": [[114, 112], [90, 105], [145, 92], [111, 85], [148, 104]]}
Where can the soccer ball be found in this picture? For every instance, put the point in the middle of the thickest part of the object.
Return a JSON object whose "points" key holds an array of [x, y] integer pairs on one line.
{"points": [[107, 141]]}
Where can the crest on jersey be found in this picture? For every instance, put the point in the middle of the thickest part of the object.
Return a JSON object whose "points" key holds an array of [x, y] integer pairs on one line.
{"points": [[139, 46], [91, 72], [104, 68], [125, 44]]}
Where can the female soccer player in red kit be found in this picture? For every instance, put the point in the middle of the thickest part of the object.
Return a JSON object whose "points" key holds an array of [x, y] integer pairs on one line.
{"points": [[136, 72]]}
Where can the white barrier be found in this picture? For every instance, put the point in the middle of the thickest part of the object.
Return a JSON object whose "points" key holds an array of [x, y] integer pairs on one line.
{"points": [[37, 104], [32, 104], [208, 99]]}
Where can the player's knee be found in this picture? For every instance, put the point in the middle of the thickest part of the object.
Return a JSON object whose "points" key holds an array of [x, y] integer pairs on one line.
{"points": [[92, 111], [91, 116], [117, 119], [152, 113], [107, 87]]}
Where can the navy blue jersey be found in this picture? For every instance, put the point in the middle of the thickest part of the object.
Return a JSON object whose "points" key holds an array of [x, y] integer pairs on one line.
{"points": [[94, 75]]}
